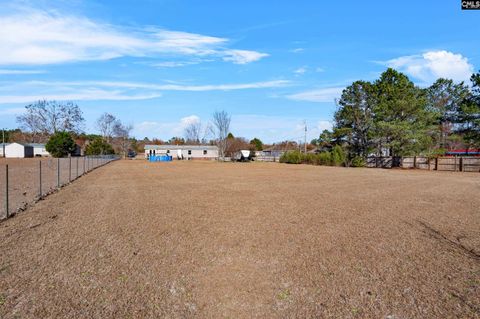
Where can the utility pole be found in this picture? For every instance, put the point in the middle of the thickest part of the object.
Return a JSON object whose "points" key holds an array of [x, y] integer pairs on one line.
{"points": [[3, 142], [305, 140]]}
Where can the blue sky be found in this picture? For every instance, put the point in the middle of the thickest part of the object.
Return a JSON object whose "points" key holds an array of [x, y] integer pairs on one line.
{"points": [[160, 65]]}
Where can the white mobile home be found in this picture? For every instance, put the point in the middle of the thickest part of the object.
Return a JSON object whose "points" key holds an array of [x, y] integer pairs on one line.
{"points": [[17, 150], [39, 149], [183, 151]]}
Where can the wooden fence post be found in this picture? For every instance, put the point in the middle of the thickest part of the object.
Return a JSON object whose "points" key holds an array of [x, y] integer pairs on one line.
{"points": [[40, 178], [414, 162], [58, 172], [6, 190], [69, 168], [461, 164], [436, 163]]}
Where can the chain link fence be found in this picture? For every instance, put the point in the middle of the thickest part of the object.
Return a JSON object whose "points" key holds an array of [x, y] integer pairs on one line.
{"points": [[24, 181]]}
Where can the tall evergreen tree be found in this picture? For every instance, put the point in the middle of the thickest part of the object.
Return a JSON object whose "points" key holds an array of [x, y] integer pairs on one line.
{"points": [[354, 118], [469, 115], [402, 119], [445, 98]]}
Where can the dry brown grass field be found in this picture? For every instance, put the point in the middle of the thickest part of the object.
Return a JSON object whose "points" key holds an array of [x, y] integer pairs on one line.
{"points": [[239, 240]]}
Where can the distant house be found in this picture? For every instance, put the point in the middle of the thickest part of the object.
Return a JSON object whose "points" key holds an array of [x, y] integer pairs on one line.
{"points": [[183, 151], [39, 149], [17, 150]]}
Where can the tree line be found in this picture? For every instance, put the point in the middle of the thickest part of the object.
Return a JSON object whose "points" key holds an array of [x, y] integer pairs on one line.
{"points": [[61, 125], [392, 116]]}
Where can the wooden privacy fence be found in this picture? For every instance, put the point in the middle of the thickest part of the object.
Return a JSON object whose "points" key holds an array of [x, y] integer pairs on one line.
{"points": [[454, 164]]}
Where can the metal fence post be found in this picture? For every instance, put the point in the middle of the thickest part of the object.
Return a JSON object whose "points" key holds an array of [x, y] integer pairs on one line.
{"points": [[6, 190], [40, 178], [58, 172], [461, 164]]}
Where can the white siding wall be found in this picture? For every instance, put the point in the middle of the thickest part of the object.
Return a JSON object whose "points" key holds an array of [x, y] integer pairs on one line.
{"points": [[195, 153], [40, 151], [15, 150]]}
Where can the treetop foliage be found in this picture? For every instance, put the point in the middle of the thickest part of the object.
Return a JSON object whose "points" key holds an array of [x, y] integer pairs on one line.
{"points": [[60, 144], [392, 116]]}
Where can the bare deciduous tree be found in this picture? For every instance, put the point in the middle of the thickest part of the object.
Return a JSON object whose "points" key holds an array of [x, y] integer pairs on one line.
{"points": [[49, 117], [29, 122], [192, 133], [122, 133], [221, 121], [106, 124]]}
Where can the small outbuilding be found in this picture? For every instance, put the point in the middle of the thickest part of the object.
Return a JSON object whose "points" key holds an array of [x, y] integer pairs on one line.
{"points": [[18, 150]]}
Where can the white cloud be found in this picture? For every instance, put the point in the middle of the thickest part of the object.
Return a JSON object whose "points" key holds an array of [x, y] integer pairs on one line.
{"points": [[297, 50], [16, 72], [301, 70], [324, 125], [29, 91], [319, 70], [243, 56], [169, 87], [83, 94], [164, 130], [33, 37], [173, 64], [318, 95], [153, 129], [431, 65], [192, 119]]}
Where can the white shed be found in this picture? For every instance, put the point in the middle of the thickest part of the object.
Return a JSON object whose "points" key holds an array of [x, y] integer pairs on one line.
{"points": [[39, 149], [17, 150]]}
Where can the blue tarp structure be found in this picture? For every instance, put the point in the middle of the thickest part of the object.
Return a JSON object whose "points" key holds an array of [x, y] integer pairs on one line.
{"points": [[159, 158]]}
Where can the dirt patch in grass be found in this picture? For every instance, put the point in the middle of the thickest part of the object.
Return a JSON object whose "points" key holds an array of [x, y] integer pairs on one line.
{"points": [[242, 240]]}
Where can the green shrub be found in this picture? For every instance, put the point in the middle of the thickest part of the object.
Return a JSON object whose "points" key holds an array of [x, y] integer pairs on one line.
{"points": [[292, 157], [309, 159], [324, 158], [99, 147], [338, 156], [358, 161], [60, 144]]}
